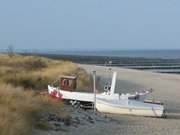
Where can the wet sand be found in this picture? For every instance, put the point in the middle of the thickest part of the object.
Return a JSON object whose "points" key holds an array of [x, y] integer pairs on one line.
{"points": [[166, 88]]}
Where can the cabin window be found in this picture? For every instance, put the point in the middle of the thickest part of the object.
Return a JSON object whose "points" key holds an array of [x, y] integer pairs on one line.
{"points": [[68, 83]]}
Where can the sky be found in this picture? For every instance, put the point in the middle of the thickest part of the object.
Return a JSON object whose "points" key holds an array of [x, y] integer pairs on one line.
{"points": [[90, 24]]}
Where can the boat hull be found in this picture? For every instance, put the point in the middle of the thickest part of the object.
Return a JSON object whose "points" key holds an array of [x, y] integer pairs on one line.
{"points": [[139, 111]]}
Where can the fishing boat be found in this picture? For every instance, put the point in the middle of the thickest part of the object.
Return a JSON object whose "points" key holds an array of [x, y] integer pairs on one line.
{"points": [[129, 107], [63, 92], [79, 96], [108, 101]]}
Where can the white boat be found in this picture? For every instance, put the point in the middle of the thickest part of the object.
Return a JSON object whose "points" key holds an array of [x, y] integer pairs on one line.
{"points": [[80, 96], [89, 97], [129, 107]]}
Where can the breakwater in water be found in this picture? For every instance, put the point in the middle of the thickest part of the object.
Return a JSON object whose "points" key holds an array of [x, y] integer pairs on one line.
{"points": [[162, 65]]}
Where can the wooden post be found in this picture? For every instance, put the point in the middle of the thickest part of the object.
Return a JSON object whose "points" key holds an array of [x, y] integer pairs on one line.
{"points": [[94, 89]]}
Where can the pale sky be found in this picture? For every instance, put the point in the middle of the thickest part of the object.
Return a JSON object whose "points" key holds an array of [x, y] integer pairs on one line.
{"points": [[90, 24]]}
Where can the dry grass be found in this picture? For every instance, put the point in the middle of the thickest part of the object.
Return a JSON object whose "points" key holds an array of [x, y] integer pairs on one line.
{"points": [[33, 72], [21, 108]]}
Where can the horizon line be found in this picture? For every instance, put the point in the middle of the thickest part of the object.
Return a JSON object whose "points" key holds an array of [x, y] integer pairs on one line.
{"points": [[88, 50]]}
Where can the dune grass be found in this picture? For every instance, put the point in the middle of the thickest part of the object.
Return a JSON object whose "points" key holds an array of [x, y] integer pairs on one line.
{"points": [[21, 107], [33, 72], [20, 111]]}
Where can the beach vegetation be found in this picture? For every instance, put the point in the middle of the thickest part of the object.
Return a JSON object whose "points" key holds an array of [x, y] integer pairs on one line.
{"points": [[22, 78]]}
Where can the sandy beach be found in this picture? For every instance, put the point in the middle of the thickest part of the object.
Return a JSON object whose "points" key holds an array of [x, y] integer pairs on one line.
{"points": [[166, 88]]}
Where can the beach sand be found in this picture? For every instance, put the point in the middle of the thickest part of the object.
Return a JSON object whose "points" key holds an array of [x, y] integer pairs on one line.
{"points": [[166, 88]]}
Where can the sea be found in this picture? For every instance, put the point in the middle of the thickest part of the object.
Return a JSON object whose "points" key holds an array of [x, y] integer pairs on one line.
{"points": [[163, 61], [164, 54]]}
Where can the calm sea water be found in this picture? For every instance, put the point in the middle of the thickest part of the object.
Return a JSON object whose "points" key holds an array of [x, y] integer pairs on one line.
{"points": [[170, 54]]}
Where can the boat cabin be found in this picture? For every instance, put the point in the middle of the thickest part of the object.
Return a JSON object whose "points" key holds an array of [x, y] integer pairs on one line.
{"points": [[68, 83]]}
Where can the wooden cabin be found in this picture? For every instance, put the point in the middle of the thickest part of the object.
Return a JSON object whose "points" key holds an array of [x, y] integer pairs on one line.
{"points": [[68, 83]]}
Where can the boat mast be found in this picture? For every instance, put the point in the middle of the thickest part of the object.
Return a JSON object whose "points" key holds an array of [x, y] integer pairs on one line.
{"points": [[94, 89], [113, 83]]}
